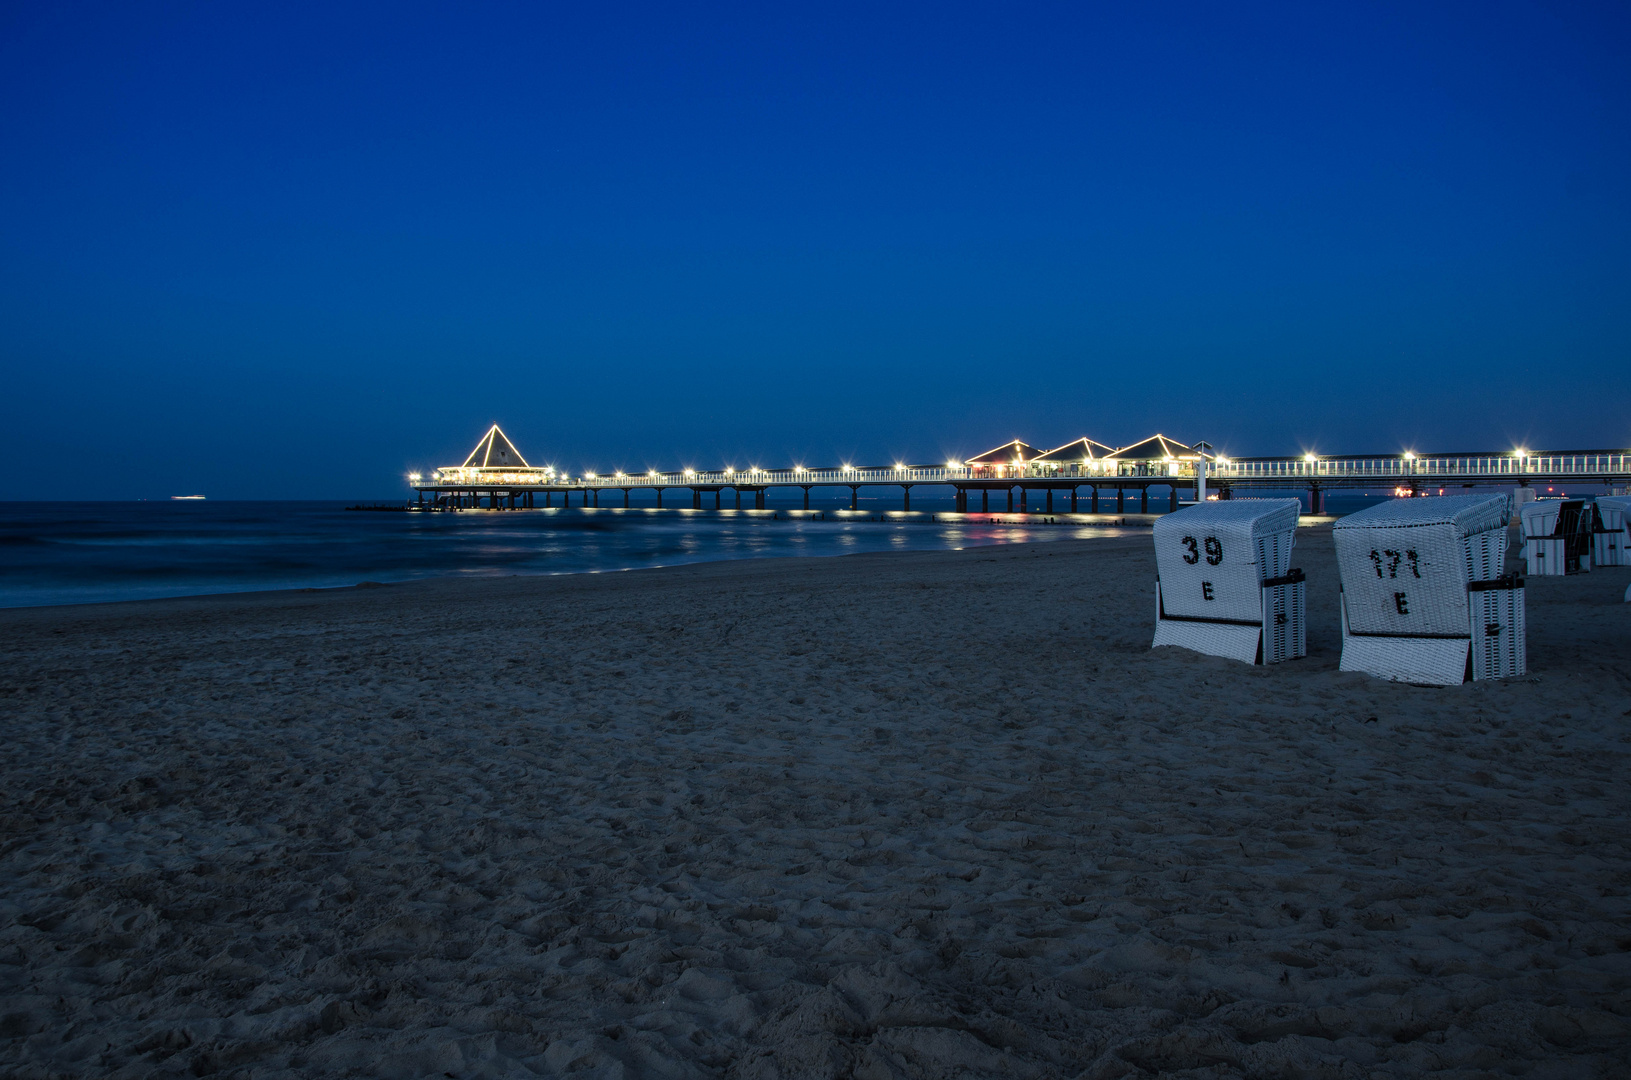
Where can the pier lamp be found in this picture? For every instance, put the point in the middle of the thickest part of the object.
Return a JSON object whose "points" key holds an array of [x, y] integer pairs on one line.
{"points": [[798, 468], [413, 476], [1310, 458], [1408, 456], [1520, 452], [589, 476], [690, 472], [849, 467], [729, 471], [652, 474], [951, 464]]}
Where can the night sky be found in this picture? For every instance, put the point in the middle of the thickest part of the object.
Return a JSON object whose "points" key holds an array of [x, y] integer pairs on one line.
{"points": [[284, 250]]}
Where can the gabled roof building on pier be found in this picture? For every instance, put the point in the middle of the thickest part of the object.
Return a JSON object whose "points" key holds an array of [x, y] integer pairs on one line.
{"points": [[495, 459]]}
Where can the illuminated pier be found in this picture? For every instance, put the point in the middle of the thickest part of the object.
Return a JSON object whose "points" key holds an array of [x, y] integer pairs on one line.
{"points": [[1077, 473]]}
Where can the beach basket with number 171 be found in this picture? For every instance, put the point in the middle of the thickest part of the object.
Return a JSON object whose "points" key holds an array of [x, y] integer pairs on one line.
{"points": [[1424, 599], [1225, 584]]}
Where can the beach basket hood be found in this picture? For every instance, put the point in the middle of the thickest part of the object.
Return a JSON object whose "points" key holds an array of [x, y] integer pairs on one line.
{"points": [[1406, 563], [1464, 514], [1213, 557]]}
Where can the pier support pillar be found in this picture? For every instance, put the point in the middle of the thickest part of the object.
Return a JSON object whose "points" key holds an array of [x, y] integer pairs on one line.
{"points": [[854, 496], [696, 498], [1121, 500], [1023, 491], [1172, 507], [597, 498], [716, 498], [985, 500], [1314, 494], [625, 498], [1144, 499], [906, 497], [806, 496], [1050, 501], [1093, 505], [759, 499], [659, 498], [1010, 500], [738, 497], [1073, 499]]}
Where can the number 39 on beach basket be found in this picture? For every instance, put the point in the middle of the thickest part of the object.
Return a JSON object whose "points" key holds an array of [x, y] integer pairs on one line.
{"points": [[1424, 599], [1224, 582]]}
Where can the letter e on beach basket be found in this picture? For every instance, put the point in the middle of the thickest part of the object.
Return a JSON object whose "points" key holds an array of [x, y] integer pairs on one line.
{"points": [[1225, 585], [1424, 599]]}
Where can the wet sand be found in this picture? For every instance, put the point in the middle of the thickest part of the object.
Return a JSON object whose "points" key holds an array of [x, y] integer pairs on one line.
{"points": [[919, 815]]}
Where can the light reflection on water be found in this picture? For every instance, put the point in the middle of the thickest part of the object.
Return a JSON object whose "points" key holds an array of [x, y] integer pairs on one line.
{"points": [[58, 553]]}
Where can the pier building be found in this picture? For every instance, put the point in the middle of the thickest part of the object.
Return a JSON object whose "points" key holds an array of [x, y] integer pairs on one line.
{"points": [[1080, 475]]}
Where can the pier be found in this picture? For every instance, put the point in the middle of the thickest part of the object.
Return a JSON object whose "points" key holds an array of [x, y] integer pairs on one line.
{"points": [[1080, 476]]}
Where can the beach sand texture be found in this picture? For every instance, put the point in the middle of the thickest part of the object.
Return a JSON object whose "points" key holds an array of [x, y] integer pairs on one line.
{"points": [[920, 815]]}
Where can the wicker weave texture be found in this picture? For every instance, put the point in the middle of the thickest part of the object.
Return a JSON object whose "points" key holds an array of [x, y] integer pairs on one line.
{"points": [[1486, 555], [1539, 518], [1274, 554], [1404, 581], [1209, 556], [1617, 505], [1546, 556], [1230, 640], [1608, 548], [1500, 648], [1429, 661], [1285, 622], [1613, 547], [1466, 514]]}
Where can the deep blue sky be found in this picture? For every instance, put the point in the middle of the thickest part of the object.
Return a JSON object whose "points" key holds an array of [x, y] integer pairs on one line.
{"points": [[281, 250]]}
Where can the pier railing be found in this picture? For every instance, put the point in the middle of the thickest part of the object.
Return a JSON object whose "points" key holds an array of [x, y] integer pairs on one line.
{"points": [[1485, 467]]}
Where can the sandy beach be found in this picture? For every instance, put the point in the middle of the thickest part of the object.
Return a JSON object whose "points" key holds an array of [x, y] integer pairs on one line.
{"points": [[903, 815]]}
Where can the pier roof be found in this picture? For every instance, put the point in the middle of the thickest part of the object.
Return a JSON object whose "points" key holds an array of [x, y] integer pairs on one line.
{"points": [[1083, 449], [495, 451], [1157, 448], [1006, 454]]}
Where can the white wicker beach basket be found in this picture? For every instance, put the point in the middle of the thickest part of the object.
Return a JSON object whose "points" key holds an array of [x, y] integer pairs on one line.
{"points": [[1550, 547], [1407, 611], [1225, 584], [1612, 546]]}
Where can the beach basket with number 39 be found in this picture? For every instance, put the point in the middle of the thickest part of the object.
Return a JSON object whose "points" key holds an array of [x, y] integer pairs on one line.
{"points": [[1225, 583]]}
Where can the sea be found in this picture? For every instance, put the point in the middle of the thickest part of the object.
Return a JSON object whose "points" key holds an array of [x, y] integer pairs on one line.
{"points": [[93, 552]]}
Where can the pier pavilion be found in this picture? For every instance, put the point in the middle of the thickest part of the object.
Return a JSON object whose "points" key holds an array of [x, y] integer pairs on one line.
{"points": [[1081, 471]]}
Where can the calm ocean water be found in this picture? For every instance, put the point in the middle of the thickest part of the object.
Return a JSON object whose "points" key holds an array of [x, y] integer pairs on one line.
{"points": [[64, 553], [73, 553]]}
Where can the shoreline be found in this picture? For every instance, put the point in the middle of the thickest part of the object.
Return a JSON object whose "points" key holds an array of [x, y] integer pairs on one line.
{"points": [[1108, 521], [801, 817]]}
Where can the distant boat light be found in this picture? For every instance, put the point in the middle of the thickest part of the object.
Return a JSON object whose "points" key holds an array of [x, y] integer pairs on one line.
{"points": [[186, 496]]}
